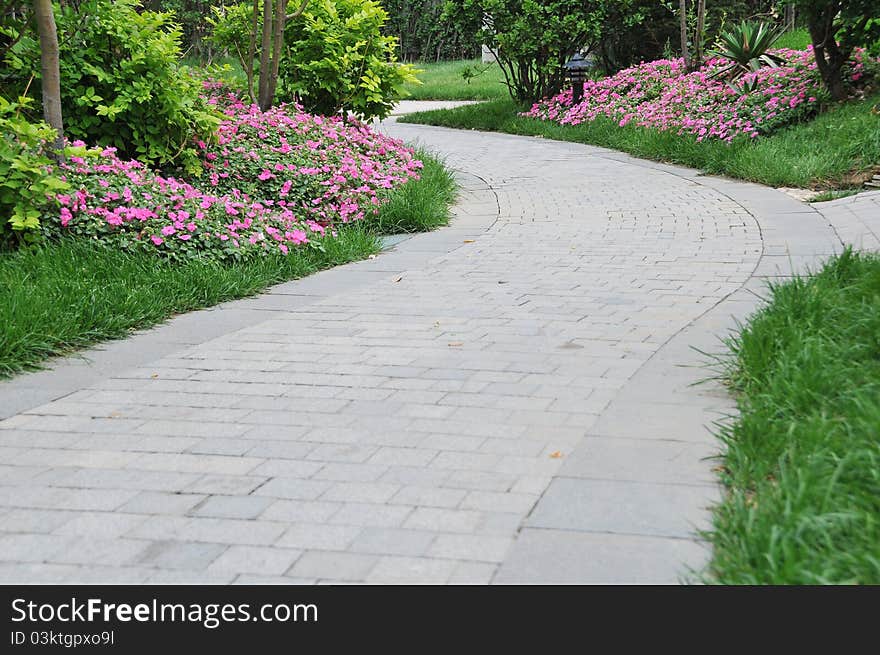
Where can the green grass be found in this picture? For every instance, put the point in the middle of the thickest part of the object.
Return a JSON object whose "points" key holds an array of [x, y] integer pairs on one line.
{"points": [[825, 196], [824, 153], [57, 298], [443, 81], [422, 206], [795, 39], [802, 466]]}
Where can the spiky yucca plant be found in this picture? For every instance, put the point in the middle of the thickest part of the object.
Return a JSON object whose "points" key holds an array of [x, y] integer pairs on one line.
{"points": [[746, 46]]}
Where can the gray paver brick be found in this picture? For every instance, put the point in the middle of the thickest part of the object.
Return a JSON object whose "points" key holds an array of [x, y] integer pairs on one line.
{"points": [[471, 547], [428, 496], [294, 511], [334, 566], [392, 541], [371, 514], [444, 520], [319, 536], [414, 570], [262, 560], [361, 492], [293, 488], [623, 507], [160, 502], [556, 557], [232, 507], [100, 524]]}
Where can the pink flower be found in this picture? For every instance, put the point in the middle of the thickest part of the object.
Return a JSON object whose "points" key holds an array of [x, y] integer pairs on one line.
{"points": [[157, 240], [296, 236]]}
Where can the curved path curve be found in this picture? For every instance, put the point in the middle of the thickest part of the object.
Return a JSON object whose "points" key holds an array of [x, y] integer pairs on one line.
{"points": [[508, 399]]}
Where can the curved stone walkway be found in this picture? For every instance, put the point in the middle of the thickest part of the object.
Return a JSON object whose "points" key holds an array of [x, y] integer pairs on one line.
{"points": [[507, 399]]}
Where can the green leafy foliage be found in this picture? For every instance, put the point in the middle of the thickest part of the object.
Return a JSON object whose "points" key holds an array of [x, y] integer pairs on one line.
{"points": [[336, 58], [533, 40], [190, 15], [339, 60], [26, 178], [122, 84], [747, 48]]}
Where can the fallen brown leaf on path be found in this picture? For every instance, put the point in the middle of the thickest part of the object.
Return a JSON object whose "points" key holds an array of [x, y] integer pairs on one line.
{"points": [[455, 344], [555, 454]]}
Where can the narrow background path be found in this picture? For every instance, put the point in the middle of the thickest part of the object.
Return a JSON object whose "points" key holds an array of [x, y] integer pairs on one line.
{"points": [[507, 399]]}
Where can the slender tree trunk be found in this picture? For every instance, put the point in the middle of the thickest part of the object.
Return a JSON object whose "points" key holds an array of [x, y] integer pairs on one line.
{"points": [[277, 44], [698, 39], [51, 75], [265, 100], [252, 50], [274, 19], [682, 16], [789, 17]]}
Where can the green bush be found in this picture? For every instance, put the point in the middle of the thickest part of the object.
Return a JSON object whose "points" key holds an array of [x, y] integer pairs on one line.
{"points": [[122, 84], [533, 40], [339, 60], [335, 59], [25, 174]]}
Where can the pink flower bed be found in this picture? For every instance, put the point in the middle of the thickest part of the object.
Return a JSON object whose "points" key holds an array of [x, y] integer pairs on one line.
{"points": [[272, 181], [662, 95]]}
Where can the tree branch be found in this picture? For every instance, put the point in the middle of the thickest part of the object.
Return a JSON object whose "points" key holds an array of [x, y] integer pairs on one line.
{"points": [[298, 12]]}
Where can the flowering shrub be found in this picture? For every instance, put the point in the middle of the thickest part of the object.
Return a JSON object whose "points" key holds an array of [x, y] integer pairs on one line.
{"points": [[662, 95], [328, 170], [274, 181]]}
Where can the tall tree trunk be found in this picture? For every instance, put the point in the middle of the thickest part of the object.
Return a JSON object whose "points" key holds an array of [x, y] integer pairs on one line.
{"points": [[252, 50], [51, 75], [265, 100], [277, 44], [698, 38], [682, 17]]}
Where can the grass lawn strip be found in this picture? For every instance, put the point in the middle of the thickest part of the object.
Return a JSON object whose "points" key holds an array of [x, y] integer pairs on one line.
{"points": [[802, 462]]}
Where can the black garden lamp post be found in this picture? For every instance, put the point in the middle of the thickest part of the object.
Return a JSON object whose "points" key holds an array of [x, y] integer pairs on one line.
{"points": [[576, 71]]}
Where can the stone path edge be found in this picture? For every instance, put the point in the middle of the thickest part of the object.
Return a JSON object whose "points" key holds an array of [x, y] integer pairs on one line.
{"points": [[64, 375]]}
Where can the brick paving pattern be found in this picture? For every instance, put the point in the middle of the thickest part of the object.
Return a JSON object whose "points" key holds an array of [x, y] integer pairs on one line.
{"points": [[508, 399]]}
